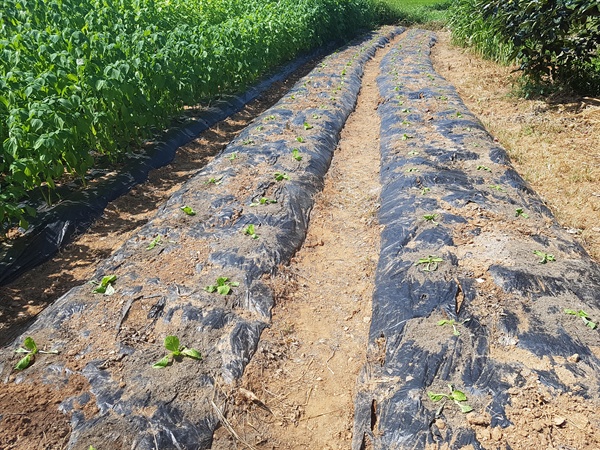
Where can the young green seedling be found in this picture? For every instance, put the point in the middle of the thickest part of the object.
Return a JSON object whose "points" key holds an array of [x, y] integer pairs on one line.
{"points": [[544, 257], [233, 156], [189, 211], [31, 350], [249, 230], [486, 168], [176, 351], [300, 139], [425, 190], [316, 116], [156, 241], [259, 128], [222, 287], [430, 218], [452, 322], [405, 110], [307, 126], [430, 264], [406, 137], [263, 201], [458, 114], [584, 316], [279, 176], [105, 286], [520, 213], [497, 187], [271, 117], [214, 180], [456, 396], [296, 154], [248, 142]]}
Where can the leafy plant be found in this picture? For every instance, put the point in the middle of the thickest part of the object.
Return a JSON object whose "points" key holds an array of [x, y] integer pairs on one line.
{"points": [[452, 322], [263, 201], [581, 313], [300, 139], [430, 264], [520, 213], [105, 286], [222, 287], [296, 154], [176, 351], [307, 126], [425, 190], [214, 180], [486, 168], [430, 218], [406, 137], [458, 397], [233, 156], [544, 257], [156, 241], [249, 230], [280, 176], [248, 142], [188, 210], [31, 349]]}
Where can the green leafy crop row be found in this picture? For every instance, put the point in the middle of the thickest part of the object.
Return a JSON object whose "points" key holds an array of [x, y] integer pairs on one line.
{"points": [[83, 78]]}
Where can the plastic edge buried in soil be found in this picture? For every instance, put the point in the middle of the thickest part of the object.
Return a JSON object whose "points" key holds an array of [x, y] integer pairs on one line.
{"points": [[196, 271], [478, 290]]}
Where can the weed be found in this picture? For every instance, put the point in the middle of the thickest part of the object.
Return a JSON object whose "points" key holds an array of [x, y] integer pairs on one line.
{"points": [[296, 154], [452, 322], [188, 210], [249, 230], [105, 286], [263, 201], [279, 176], [581, 313], [430, 218], [544, 257], [176, 351], [156, 241], [222, 287], [31, 350], [520, 213], [456, 396], [430, 264]]}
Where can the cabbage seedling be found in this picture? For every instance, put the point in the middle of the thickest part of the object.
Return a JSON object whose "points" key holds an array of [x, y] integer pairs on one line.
{"points": [[176, 351], [544, 257], [249, 230], [189, 211], [430, 264], [105, 286], [520, 213], [222, 287], [156, 241], [279, 176], [452, 322], [296, 154], [430, 218], [263, 201], [486, 168], [584, 316], [31, 350], [455, 395], [307, 126]]}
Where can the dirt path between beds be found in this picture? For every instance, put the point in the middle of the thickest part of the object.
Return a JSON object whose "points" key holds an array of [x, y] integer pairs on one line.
{"points": [[304, 372]]}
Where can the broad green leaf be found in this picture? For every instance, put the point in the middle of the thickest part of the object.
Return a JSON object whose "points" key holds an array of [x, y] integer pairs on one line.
{"points": [[109, 290], [162, 363], [99, 290], [459, 396], [24, 362], [223, 290], [571, 311], [192, 353], [189, 211], [210, 289], [234, 284], [222, 280], [108, 279], [172, 343], [29, 344], [436, 397], [443, 322], [464, 407]]}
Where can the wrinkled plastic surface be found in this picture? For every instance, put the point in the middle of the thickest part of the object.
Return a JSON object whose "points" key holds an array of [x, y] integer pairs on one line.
{"points": [[508, 308], [113, 340], [54, 226]]}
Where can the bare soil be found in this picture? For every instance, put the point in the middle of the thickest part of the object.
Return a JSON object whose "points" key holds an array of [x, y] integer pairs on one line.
{"points": [[299, 388]]}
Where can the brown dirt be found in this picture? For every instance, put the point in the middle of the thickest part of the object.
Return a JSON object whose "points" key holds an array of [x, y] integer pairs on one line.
{"points": [[553, 145]]}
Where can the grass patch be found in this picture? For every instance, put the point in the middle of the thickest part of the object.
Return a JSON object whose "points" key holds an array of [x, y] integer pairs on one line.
{"points": [[431, 14]]}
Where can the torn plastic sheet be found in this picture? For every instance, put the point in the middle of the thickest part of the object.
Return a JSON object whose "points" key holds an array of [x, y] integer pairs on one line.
{"points": [[163, 270], [54, 225], [463, 241]]}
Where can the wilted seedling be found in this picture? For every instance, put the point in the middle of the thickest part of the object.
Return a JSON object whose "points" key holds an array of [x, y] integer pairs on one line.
{"points": [[544, 257], [156, 241], [263, 201], [452, 322], [455, 395], [31, 350], [307, 126], [279, 176], [497, 187], [105, 286], [486, 168], [176, 350], [430, 264], [584, 316], [296, 154], [300, 139], [520, 213], [430, 218], [189, 211], [222, 287], [249, 230]]}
